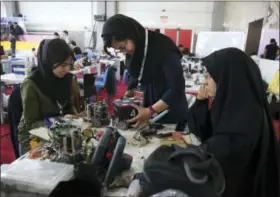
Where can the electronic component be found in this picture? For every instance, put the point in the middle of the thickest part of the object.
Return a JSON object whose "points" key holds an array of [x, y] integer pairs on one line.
{"points": [[97, 114], [138, 138], [123, 111]]}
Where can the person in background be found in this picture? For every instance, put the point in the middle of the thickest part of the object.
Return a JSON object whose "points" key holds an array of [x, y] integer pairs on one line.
{"points": [[157, 30], [48, 91], [160, 74], [278, 54], [183, 50], [18, 30], [56, 35], [76, 50], [2, 56], [13, 38], [33, 57], [271, 50], [65, 36], [237, 129]]}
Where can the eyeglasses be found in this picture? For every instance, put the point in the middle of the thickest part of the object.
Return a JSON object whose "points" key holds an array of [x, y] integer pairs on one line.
{"points": [[120, 46]]}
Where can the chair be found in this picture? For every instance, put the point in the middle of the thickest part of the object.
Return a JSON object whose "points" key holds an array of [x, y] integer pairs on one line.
{"points": [[100, 81], [88, 86], [125, 76], [18, 67], [14, 115]]}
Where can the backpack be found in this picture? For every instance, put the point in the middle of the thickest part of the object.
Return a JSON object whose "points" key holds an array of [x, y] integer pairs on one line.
{"points": [[189, 170]]}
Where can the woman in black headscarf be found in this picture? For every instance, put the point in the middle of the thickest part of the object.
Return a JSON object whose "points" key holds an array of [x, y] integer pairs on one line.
{"points": [[154, 62], [237, 129], [48, 91]]}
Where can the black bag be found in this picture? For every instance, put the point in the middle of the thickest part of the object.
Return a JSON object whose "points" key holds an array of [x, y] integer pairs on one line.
{"points": [[190, 170]]}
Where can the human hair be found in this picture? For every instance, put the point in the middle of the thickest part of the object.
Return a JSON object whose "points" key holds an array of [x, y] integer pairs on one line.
{"points": [[56, 34], [108, 41], [15, 23], [253, 53], [66, 32], [73, 43], [272, 41], [58, 51], [157, 30], [33, 49]]}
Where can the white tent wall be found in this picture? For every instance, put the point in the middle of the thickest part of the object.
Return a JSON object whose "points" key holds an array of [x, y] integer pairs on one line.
{"points": [[190, 15], [3, 9], [198, 16], [58, 15], [239, 14]]}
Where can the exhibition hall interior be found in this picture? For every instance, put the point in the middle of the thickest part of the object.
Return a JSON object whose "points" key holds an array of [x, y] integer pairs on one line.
{"points": [[140, 99]]}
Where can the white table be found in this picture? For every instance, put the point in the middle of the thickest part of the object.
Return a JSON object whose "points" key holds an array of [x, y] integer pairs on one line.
{"points": [[139, 153], [12, 78], [84, 69]]}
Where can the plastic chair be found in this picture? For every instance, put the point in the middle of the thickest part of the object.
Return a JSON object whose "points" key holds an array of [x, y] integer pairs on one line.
{"points": [[100, 81], [125, 76], [15, 62], [18, 68], [14, 115]]}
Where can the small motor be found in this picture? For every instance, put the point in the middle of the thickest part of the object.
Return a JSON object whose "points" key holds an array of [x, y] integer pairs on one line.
{"points": [[123, 111]]}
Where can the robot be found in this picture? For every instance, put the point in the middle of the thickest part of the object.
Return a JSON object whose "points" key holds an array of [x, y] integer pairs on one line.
{"points": [[97, 114], [66, 142], [123, 111]]}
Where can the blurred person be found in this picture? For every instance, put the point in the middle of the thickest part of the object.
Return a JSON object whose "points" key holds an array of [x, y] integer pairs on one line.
{"points": [[65, 36], [2, 56], [278, 54], [160, 75], [271, 50], [56, 35], [12, 38], [48, 91], [238, 128], [76, 50], [18, 30]]}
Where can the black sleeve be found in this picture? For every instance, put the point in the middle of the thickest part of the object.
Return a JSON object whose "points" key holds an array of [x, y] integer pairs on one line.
{"points": [[199, 121], [173, 73], [132, 83], [266, 47]]}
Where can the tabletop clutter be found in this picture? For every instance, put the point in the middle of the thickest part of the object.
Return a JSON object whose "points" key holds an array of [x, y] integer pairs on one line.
{"points": [[91, 146], [94, 147]]}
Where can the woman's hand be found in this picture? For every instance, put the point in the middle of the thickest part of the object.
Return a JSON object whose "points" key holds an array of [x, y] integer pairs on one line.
{"points": [[202, 93], [143, 116], [129, 94]]}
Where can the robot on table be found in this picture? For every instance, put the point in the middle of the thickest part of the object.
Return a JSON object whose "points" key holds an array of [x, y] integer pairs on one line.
{"points": [[123, 111]]}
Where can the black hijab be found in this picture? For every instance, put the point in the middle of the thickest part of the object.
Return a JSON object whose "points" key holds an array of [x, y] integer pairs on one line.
{"points": [[120, 27], [240, 112], [57, 89]]}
